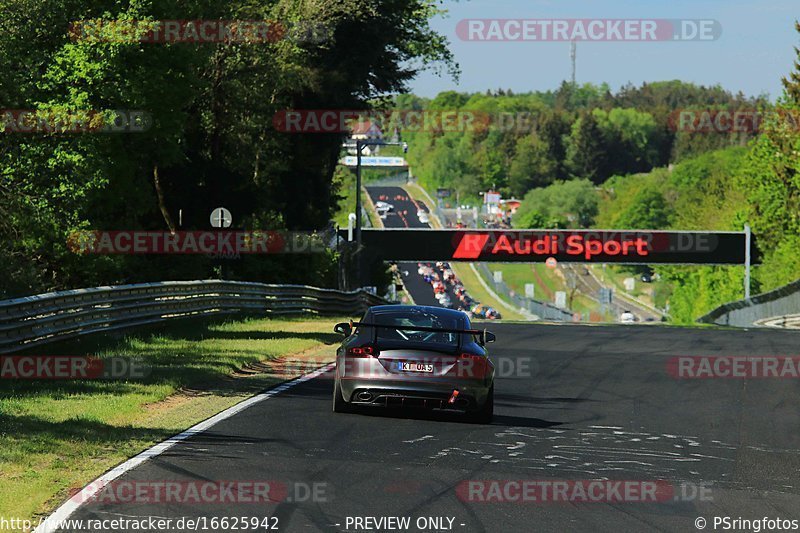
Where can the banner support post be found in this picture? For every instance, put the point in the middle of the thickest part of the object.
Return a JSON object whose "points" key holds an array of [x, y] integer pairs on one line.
{"points": [[747, 239]]}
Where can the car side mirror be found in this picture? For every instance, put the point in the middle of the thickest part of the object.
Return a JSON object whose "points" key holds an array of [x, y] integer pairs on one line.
{"points": [[487, 337], [343, 328]]}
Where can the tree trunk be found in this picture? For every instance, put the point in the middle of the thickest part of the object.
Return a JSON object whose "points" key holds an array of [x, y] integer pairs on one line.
{"points": [[161, 204]]}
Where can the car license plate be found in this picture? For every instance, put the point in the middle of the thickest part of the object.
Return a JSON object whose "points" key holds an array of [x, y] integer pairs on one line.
{"points": [[416, 367]]}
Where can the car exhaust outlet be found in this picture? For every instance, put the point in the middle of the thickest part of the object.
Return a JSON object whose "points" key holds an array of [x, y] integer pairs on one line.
{"points": [[364, 396], [453, 397]]}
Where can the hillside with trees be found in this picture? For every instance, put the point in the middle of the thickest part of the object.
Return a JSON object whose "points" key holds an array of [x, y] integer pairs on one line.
{"points": [[582, 132], [597, 159]]}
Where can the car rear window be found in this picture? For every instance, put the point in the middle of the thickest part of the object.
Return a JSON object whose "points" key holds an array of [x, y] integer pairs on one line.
{"points": [[419, 318]]}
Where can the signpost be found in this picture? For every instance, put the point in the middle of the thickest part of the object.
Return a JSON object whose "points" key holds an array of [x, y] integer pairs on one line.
{"points": [[561, 299], [606, 295], [530, 290], [221, 218]]}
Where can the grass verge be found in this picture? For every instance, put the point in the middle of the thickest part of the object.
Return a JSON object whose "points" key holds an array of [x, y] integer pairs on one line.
{"points": [[56, 436], [470, 281], [546, 281]]}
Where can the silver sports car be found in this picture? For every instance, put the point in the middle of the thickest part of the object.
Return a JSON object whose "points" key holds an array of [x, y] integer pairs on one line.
{"points": [[419, 356]]}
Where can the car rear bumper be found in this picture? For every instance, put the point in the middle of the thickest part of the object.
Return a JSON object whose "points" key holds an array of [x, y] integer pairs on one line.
{"points": [[403, 393]]}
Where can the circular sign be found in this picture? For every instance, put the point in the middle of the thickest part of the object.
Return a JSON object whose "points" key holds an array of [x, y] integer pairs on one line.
{"points": [[551, 262], [221, 218]]}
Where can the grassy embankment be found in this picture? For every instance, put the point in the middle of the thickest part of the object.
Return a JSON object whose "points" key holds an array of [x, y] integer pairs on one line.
{"points": [[56, 436]]}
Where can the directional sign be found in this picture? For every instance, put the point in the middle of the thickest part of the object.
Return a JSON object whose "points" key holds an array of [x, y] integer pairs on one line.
{"points": [[570, 246], [352, 161], [221, 218]]}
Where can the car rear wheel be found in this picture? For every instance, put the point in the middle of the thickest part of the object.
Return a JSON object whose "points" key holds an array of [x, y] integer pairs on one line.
{"points": [[485, 414], [339, 404]]}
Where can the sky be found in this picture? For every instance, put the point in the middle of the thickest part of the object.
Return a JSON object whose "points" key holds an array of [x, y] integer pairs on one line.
{"points": [[754, 50]]}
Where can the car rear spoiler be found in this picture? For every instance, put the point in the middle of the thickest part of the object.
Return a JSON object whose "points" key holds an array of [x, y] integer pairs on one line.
{"points": [[417, 328], [481, 332]]}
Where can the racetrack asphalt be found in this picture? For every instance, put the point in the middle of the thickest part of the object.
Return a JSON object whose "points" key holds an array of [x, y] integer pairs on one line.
{"points": [[404, 215], [573, 402]]}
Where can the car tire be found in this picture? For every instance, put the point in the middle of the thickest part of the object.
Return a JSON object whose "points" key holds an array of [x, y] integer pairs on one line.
{"points": [[339, 404], [485, 414]]}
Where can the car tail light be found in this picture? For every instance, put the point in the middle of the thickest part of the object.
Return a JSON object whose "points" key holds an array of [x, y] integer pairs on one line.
{"points": [[472, 366], [362, 351]]}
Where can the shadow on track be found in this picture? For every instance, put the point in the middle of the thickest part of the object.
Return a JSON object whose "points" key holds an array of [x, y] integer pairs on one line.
{"points": [[451, 416]]}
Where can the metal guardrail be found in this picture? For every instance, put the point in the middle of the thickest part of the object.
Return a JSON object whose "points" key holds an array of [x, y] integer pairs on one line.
{"points": [[767, 309], [44, 318], [543, 310]]}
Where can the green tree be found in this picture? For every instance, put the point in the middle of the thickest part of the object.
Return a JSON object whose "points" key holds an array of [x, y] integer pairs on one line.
{"points": [[570, 203], [586, 154], [647, 211], [792, 82], [631, 138], [531, 166]]}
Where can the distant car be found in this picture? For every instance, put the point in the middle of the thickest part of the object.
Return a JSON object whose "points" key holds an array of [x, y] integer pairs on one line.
{"points": [[404, 356], [627, 317], [383, 206]]}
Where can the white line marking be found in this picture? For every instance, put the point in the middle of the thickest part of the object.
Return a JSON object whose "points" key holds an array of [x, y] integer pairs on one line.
{"points": [[50, 524], [419, 439]]}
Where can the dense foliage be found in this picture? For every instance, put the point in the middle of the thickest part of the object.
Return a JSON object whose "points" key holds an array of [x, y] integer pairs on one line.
{"points": [[583, 132], [211, 141]]}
